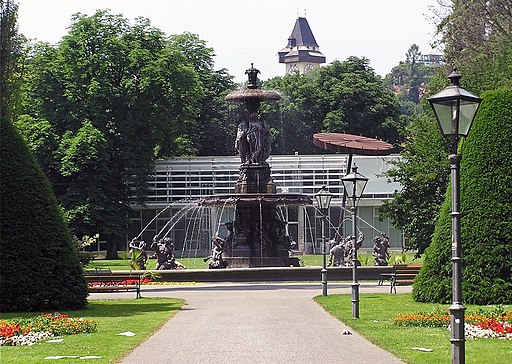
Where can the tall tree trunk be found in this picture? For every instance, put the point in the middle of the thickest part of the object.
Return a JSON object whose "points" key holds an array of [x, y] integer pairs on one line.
{"points": [[112, 247]]}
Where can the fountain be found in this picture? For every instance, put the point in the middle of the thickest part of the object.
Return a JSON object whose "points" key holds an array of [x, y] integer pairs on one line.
{"points": [[258, 235]]}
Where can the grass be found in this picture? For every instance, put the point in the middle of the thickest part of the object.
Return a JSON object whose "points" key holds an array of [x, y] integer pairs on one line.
{"points": [[198, 263], [143, 316], [376, 324]]}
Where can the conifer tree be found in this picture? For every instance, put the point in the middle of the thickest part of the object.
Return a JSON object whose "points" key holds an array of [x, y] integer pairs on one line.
{"points": [[40, 269], [486, 208]]}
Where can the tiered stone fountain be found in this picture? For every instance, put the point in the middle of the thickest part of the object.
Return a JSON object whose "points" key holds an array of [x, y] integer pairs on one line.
{"points": [[258, 235]]}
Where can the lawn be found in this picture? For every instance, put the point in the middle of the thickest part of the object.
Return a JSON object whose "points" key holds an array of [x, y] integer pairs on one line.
{"points": [[198, 263], [143, 316], [376, 324]]}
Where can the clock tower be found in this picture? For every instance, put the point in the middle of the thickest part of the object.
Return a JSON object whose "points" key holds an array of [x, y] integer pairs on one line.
{"points": [[301, 54]]}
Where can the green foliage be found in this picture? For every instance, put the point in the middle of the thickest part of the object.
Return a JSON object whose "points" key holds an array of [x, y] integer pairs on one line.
{"points": [[213, 132], [422, 172], [477, 37], [111, 98], [144, 316], [343, 97], [410, 77], [41, 138], [56, 323], [11, 51], [486, 210], [40, 269], [84, 256], [376, 324]]}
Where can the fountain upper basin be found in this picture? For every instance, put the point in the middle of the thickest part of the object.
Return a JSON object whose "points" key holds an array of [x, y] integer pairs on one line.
{"points": [[257, 198]]}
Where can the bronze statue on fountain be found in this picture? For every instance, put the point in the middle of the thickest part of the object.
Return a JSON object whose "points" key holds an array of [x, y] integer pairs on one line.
{"points": [[257, 237]]}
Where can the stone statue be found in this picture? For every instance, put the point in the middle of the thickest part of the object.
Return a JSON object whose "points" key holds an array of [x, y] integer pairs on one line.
{"points": [[253, 140], [241, 143], [380, 250], [164, 251], [337, 253], [140, 258], [216, 259], [349, 249]]}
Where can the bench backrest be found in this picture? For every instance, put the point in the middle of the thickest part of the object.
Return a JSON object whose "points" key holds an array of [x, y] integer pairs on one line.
{"points": [[97, 272], [112, 278], [406, 268]]}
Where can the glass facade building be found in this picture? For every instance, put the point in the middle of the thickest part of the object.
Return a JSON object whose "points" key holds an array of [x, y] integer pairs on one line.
{"points": [[172, 206]]}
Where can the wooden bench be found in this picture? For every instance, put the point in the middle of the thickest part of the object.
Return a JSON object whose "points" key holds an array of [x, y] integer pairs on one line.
{"points": [[106, 281], [97, 272], [402, 275]]}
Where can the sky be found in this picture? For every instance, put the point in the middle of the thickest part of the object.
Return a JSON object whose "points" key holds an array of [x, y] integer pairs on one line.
{"points": [[242, 32]]}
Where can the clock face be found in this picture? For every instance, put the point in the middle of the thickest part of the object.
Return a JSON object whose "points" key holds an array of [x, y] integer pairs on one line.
{"points": [[308, 68], [293, 69]]}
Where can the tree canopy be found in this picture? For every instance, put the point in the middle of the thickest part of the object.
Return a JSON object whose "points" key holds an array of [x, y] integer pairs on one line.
{"points": [[485, 61], [410, 77], [105, 101], [344, 97]]}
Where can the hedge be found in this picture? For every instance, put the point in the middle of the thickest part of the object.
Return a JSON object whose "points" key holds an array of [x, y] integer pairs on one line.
{"points": [[486, 214], [40, 270]]}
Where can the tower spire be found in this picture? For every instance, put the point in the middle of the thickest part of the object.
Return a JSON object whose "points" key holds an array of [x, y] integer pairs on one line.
{"points": [[302, 53]]}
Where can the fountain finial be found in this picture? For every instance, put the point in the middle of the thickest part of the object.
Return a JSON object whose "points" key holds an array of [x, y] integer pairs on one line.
{"points": [[252, 73]]}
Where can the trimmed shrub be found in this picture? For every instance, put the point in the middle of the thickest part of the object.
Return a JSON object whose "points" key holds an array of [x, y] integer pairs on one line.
{"points": [[486, 214], [40, 269]]}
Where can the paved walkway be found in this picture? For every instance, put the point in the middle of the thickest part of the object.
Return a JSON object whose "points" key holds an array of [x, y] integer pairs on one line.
{"points": [[254, 323]]}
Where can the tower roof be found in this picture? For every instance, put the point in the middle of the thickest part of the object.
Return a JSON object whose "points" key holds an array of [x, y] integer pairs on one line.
{"points": [[302, 34]]}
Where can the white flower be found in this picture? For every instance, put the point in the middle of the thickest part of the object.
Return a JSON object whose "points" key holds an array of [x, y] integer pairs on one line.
{"points": [[30, 339]]}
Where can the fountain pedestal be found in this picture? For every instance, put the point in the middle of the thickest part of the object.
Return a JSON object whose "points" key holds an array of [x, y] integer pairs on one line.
{"points": [[258, 237], [255, 178]]}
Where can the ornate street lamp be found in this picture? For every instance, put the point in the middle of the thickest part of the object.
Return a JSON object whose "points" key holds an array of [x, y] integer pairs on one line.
{"points": [[323, 200], [455, 109], [354, 184]]}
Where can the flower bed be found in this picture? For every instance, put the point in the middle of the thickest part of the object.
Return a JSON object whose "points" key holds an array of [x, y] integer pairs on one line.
{"points": [[28, 331], [495, 323]]}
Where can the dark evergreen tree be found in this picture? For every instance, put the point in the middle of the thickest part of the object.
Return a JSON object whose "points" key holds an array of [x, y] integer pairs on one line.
{"points": [[39, 269], [486, 208]]}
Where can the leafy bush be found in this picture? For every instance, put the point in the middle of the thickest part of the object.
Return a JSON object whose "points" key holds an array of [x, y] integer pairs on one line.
{"points": [[85, 257], [40, 269], [486, 210]]}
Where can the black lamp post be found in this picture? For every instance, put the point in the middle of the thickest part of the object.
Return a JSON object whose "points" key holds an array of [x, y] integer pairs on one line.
{"points": [[323, 200], [354, 184], [455, 108]]}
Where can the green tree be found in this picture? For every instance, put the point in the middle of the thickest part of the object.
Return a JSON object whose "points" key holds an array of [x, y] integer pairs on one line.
{"points": [[11, 52], [486, 210], [209, 134], [344, 97], [486, 64], [410, 77], [34, 236], [115, 97], [422, 172], [477, 37], [292, 120]]}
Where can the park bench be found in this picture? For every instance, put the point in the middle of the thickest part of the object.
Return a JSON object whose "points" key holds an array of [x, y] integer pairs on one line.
{"points": [[103, 280], [402, 275]]}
